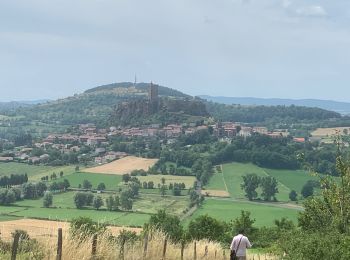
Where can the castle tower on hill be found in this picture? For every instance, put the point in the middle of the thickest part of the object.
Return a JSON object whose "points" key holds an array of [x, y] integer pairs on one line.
{"points": [[153, 98], [153, 93]]}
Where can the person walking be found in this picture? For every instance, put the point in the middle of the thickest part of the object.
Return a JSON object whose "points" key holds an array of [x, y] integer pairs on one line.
{"points": [[239, 245]]}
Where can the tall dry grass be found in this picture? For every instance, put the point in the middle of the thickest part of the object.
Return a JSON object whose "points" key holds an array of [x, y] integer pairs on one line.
{"points": [[107, 249], [81, 249]]}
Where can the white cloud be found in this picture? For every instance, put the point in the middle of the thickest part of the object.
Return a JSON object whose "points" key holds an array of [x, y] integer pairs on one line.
{"points": [[313, 10], [286, 3]]}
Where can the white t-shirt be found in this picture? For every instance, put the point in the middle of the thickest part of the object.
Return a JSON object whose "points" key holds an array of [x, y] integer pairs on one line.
{"points": [[241, 250]]}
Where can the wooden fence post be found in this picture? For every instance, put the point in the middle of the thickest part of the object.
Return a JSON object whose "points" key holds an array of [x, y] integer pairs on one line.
{"points": [[224, 254], [94, 246], [121, 252], [15, 246], [164, 248], [205, 251], [182, 250], [195, 251], [145, 245], [59, 245]]}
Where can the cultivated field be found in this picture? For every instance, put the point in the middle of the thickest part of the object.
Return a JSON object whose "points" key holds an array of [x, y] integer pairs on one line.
{"points": [[44, 228], [326, 132], [124, 165], [188, 180]]}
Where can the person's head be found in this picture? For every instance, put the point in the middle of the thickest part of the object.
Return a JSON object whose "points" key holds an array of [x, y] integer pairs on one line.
{"points": [[241, 231]]}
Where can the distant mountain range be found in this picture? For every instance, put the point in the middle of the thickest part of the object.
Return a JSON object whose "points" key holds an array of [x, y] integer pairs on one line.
{"points": [[17, 104], [340, 107]]}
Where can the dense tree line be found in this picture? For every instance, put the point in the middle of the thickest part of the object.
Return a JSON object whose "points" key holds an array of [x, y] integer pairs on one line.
{"points": [[276, 153], [24, 191], [282, 114], [13, 179]]}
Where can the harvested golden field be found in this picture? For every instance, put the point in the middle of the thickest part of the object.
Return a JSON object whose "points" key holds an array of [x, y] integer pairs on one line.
{"points": [[45, 228], [123, 166], [325, 132], [216, 193]]}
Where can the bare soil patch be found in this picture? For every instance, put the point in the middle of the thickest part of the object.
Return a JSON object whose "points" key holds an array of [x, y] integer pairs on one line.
{"points": [[123, 166], [216, 193]]}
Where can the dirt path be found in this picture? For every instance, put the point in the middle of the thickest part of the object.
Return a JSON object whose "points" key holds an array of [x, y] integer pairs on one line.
{"points": [[223, 178], [272, 204]]}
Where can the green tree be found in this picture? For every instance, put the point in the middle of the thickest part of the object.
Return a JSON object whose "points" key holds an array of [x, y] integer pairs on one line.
{"points": [[66, 184], [89, 198], [331, 211], [163, 190], [109, 202], [284, 224], [125, 200], [250, 184], [162, 180], [126, 178], [293, 196], [87, 185], [98, 202], [83, 227], [307, 190], [269, 188], [80, 200], [150, 184], [116, 203], [48, 199], [168, 224], [101, 186], [205, 227], [244, 222]]}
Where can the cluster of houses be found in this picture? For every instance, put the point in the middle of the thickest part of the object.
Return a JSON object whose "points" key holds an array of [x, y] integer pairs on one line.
{"points": [[231, 129], [97, 139], [169, 131], [23, 155]]}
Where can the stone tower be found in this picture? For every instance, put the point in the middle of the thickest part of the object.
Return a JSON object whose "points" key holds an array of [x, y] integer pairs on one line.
{"points": [[153, 93], [153, 98]]}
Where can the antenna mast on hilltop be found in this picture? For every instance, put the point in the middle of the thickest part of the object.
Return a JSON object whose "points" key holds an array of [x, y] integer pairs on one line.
{"points": [[135, 82]]}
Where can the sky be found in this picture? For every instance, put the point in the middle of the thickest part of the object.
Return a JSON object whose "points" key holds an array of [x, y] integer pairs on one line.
{"points": [[243, 48]]}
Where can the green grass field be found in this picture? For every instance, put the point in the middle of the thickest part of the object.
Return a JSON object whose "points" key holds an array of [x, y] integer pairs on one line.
{"points": [[228, 210], [34, 172], [111, 181], [232, 175], [293, 179], [64, 209], [216, 182]]}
